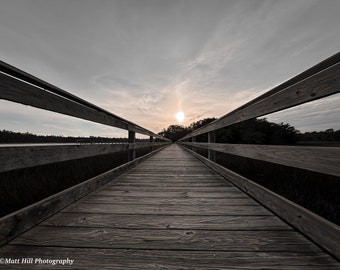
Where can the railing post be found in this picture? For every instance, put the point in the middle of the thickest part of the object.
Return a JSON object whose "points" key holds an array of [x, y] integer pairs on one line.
{"points": [[151, 140], [211, 139], [193, 139], [132, 140]]}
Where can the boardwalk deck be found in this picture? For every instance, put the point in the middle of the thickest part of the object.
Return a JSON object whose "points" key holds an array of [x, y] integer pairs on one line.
{"points": [[170, 212]]}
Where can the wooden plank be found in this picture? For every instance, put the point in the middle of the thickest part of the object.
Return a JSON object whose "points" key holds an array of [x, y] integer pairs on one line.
{"points": [[171, 174], [175, 178], [174, 181], [18, 91], [158, 179], [158, 184], [317, 85], [236, 223], [168, 209], [164, 200], [22, 156], [16, 223], [321, 231], [165, 189], [165, 259], [172, 194], [318, 159], [232, 241], [24, 76]]}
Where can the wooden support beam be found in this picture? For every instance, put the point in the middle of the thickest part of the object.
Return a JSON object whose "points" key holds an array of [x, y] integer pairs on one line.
{"points": [[318, 159], [211, 139], [151, 141], [132, 148], [14, 157]]}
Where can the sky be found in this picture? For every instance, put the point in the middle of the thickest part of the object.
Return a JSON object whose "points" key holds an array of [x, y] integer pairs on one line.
{"points": [[145, 60]]}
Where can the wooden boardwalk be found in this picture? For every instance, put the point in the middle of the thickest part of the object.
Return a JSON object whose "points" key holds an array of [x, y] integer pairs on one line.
{"points": [[170, 212]]}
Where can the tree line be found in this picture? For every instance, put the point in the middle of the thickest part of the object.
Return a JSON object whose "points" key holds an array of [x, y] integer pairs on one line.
{"points": [[254, 131], [7, 136]]}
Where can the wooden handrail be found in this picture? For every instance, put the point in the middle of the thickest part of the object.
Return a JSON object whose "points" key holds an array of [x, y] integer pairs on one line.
{"points": [[21, 87], [318, 82], [20, 156], [318, 159]]}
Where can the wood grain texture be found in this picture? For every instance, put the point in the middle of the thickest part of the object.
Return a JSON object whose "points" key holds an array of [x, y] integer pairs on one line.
{"points": [[26, 77], [171, 194], [161, 184], [161, 189], [259, 241], [18, 91], [21, 156], [323, 232], [168, 222], [169, 209], [16, 223], [159, 229], [174, 260], [318, 84], [168, 201], [323, 65], [318, 159]]}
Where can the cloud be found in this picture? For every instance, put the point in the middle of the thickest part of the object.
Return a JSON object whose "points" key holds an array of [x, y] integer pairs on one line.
{"points": [[145, 60], [316, 115]]}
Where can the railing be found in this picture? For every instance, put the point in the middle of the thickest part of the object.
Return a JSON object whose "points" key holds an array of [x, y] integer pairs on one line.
{"points": [[21, 87], [317, 82]]}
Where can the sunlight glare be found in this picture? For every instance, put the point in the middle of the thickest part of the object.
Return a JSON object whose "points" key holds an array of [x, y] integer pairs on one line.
{"points": [[180, 116]]}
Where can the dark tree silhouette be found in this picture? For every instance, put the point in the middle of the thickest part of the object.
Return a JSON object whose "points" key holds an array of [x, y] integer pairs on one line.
{"points": [[17, 137], [258, 131], [328, 135], [174, 132], [253, 131]]}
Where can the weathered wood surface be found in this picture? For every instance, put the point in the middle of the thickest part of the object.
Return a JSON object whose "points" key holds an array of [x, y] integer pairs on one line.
{"points": [[169, 201], [173, 194], [170, 209], [92, 258], [302, 76], [167, 239], [60, 101], [308, 86], [323, 232], [21, 156], [318, 159], [16, 223], [160, 229], [194, 222]]}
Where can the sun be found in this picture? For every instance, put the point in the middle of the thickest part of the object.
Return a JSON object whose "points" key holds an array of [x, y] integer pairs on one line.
{"points": [[180, 117]]}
